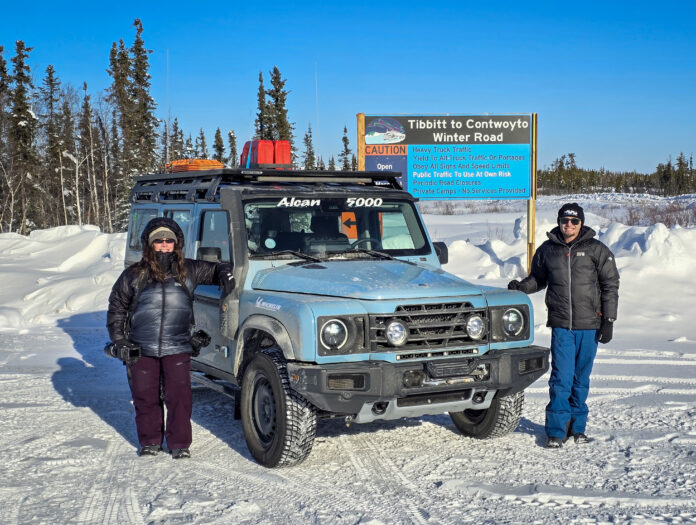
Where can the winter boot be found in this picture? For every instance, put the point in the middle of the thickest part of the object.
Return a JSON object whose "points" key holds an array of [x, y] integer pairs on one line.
{"points": [[581, 438], [150, 450], [554, 442], [180, 453]]}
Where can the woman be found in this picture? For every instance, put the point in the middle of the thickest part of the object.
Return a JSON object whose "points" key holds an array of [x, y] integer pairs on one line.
{"points": [[149, 321]]}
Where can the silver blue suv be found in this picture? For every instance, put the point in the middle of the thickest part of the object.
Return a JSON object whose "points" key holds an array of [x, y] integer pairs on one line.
{"points": [[341, 308]]}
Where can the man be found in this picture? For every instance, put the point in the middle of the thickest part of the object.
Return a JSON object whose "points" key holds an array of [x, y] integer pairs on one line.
{"points": [[149, 320], [582, 300]]}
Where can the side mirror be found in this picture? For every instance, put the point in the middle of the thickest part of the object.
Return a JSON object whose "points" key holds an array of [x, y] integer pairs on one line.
{"points": [[210, 254], [442, 252]]}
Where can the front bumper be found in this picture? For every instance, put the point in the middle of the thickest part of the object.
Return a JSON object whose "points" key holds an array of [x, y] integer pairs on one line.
{"points": [[376, 389]]}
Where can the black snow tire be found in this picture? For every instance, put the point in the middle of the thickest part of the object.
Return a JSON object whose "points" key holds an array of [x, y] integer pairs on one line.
{"points": [[279, 425], [501, 418]]}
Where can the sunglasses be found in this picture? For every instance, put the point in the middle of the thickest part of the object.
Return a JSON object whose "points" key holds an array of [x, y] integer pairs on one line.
{"points": [[572, 220], [165, 241]]}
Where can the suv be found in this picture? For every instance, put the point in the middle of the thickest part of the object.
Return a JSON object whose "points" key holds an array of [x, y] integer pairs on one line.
{"points": [[341, 307]]}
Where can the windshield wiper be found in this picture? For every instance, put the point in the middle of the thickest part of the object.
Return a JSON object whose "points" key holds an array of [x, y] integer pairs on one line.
{"points": [[374, 253], [299, 255]]}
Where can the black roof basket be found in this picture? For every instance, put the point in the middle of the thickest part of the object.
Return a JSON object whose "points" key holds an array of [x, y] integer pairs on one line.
{"points": [[203, 185]]}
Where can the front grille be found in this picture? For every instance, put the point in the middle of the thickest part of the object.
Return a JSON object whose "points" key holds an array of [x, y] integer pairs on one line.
{"points": [[431, 327]]}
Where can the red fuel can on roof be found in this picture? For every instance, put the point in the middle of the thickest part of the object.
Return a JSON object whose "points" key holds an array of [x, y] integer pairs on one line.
{"points": [[273, 154]]}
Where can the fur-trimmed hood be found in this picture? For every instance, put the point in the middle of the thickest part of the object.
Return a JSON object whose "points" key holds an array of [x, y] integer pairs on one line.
{"points": [[160, 222]]}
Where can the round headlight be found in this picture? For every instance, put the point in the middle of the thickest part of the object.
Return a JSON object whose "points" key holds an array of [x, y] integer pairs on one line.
{"points": [[396, 332], [475, 326], [334, 334], [513, 322]]}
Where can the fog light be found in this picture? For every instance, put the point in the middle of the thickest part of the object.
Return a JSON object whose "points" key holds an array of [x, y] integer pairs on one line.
{"points": [[346, 382], [396, 332], [413, 378], [475, 326]]}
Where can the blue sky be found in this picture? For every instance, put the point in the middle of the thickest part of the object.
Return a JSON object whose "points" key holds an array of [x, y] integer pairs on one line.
{"points": [[612, 82]]}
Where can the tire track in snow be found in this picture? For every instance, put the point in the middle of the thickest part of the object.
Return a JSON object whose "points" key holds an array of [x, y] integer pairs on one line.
{"points": [[100, 506], [651, 361], [382, 469]]}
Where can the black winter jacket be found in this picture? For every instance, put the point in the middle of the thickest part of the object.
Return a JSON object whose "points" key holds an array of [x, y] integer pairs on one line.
{"points": [[582, 280], [161, 322]]}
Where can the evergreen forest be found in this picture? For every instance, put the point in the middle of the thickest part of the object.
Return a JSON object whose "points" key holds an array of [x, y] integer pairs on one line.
{"points": [[68, 156]]}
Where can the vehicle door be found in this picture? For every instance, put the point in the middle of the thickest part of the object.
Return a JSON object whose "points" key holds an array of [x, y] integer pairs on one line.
{"points": [[212, 244]]}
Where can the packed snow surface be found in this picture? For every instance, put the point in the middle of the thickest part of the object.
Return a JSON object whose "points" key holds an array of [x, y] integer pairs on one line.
{"points": [[69, 442]]}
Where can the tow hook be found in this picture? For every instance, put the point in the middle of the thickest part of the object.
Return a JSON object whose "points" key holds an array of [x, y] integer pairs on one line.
{"points": [[479, 397]]}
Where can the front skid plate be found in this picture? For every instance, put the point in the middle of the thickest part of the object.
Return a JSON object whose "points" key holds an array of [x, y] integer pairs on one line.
{"points": [[370, 413]]}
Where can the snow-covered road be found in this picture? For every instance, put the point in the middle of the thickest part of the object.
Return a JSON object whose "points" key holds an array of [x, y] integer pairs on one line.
{"points": [[69, 443]]}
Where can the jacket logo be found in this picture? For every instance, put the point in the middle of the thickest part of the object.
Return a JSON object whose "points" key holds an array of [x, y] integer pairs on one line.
{"points": [[580, 254], [177, 284]]}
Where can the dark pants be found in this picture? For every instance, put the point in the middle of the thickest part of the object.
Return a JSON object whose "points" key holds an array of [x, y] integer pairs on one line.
{"points": [[572, 356], [144, 378]]}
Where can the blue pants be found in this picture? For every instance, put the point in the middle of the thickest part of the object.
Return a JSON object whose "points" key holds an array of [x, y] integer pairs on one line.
{"points": [[572, 355]]}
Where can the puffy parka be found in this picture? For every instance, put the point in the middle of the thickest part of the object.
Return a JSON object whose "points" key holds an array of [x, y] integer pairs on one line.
{"points": [[582, 280], [160, 322]]}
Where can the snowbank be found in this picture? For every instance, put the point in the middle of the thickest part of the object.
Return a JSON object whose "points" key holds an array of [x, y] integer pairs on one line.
{"points": [[51, 274]]}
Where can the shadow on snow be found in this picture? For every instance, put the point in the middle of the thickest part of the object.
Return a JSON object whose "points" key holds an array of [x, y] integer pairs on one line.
{"points": [[99, 383]]}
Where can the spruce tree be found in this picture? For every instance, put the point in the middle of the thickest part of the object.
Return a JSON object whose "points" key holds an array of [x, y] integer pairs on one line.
{"points": [[310, 161], [189, 152], [332, 164], [176, 150], [9, 181], [354, 163], [50, 157], [22, 132], [71, 205], [281, 128], [166, 153], [4, 105], [201, 146], [344, 156], [263, 120], [219, 147], [118, 96], [144, 125], [122, 133], [233, 160], [87, 162]]}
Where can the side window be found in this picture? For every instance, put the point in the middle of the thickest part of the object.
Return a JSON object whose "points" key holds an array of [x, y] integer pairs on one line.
{"points": [[181, 217], [395, 233], [139, 218], [215, 235]]}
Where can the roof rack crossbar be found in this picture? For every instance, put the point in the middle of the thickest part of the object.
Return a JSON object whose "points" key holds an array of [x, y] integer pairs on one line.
{"points": [[204, 185]]}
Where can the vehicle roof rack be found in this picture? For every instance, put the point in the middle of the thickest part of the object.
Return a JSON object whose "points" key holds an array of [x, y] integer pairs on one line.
{"points": [[204, 185]]}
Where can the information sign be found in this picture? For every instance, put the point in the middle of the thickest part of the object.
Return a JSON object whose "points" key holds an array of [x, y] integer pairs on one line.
{"points": [[452, 156]]}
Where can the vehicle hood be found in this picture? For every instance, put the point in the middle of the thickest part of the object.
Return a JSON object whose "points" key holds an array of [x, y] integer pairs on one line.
{"points": [[372, 280]]}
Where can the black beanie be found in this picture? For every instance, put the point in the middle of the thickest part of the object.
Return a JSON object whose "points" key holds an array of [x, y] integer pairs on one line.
{"points": [[571, 209]]}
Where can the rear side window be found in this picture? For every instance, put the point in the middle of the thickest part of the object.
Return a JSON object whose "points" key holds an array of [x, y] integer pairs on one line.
{"points": [[215, 233], [181, 217], [139, 219]]}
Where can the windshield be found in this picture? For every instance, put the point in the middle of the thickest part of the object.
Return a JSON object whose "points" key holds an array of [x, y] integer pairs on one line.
{"points": [[330, 226]]}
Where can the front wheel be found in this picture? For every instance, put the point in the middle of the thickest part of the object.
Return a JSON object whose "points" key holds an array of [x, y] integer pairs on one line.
{"points": [[501, 418], [279, 425]]}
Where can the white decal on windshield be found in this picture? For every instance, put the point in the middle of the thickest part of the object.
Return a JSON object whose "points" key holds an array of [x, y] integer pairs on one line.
{"points": [[293, 202], [362, 202]]}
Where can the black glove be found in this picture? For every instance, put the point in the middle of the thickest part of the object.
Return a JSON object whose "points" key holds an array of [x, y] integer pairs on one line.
{"points": [[199, 339], [126, 351], [605, 332], [226, 279], [514, 285]]}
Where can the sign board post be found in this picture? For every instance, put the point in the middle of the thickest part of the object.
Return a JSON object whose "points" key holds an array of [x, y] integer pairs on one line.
{"points": [[455, 157]]}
